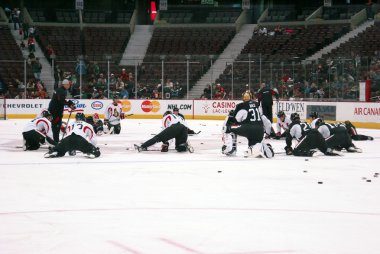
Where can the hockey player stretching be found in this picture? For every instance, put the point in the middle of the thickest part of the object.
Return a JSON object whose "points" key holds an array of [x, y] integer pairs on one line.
{"points": [[37, 130], [112, 117], [306, 137], [246, 121], [80, 136], [174, 127]]}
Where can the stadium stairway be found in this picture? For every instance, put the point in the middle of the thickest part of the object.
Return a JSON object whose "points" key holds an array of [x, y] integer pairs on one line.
{"points": [[47, 76], [229, 54], [341, 40], [137, 45]]}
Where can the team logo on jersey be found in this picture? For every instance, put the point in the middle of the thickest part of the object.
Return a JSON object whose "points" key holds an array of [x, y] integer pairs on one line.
{"points": [[150, 106], [97, 105]]}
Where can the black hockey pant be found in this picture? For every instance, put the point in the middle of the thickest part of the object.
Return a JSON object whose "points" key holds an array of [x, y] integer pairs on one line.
{"points": [[74, 143], [253, 132], [339, 138], [177, 131], [33, 139], [312, 140]]}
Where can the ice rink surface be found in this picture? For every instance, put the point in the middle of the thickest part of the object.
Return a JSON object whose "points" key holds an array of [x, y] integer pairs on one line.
{"points": [[199, 203]]}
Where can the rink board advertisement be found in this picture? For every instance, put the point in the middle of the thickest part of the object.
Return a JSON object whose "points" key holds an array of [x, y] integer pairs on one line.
{"points": [[365, 115]]}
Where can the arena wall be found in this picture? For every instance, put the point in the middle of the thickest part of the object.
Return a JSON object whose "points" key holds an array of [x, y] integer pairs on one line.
{"points": [[364, 115]]}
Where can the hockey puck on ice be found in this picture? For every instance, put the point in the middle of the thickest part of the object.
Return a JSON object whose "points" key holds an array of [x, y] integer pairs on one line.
{"points": [[306, 159], [320, 182], [201, 143], [219, 171], [305, 171], [368, 180]]}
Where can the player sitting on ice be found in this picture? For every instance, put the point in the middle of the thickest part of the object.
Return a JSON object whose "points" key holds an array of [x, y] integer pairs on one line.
{"points": [[80, 137], [112, 117], [246, 121], [306, 137], [174, 127], [282, 125], [96, 123], [336, 136], [37, 130]]}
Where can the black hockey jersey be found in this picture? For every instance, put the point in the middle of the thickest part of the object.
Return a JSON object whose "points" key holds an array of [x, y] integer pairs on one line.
{"points": [[247, 112]]}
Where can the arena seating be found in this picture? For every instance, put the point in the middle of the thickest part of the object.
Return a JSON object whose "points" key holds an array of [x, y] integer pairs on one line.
{"points": [[279, 51], [175, 43], [11, 59]]}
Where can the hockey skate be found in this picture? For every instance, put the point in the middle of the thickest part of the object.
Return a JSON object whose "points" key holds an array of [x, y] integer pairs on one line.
{"points": [[24, 145], [330, 152], [354, 149], [189, 147], [93, 154], [139, 148], [51, 154]]}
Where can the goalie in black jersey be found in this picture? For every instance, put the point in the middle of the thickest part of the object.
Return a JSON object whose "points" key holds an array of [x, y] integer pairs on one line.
{"points": [[246, 121], [96, 123]]}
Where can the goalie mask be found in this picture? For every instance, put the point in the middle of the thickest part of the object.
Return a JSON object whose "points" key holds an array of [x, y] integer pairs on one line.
{"points": [[247, 96]]}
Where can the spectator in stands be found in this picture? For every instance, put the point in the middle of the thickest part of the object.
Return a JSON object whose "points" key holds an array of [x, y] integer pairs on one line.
{"points": [[22, 45], [207, 92], [155, 94], [101, 82], [36, 68], [50, 50], [31, 44], [16, 18], [31, 85], [113, 82], [101, 95], [124, 93], [31, 31], [25, 29], [263, 31], [20, 95], [81, 68], [95, 69], [124, 76], [278, 30], [219, 92], [42, 94]]}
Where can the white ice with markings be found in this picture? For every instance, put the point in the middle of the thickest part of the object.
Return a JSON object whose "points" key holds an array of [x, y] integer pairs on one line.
{"points": [[202, 203]]}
